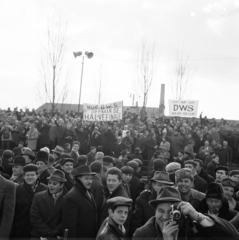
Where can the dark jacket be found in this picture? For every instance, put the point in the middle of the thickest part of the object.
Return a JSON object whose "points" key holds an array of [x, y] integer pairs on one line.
{"points": [[110, 231], [19, 179], [119, 191], [69, 181], [97, 190], [74, 156], [211, 169], [79, 213], [208, 178], [200, 184], [22, 227], [43, 177], [117, 149], [220, 230], [7, 203], [142, 211], [224, 212], [136, 187], [46, 214]]}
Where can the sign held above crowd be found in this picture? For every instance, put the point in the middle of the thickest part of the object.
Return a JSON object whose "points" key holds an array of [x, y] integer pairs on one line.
{"points": [[103, 112], [183, 108]]}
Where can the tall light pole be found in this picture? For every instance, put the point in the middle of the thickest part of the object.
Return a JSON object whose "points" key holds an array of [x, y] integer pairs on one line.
{"points": [[78, 54]]}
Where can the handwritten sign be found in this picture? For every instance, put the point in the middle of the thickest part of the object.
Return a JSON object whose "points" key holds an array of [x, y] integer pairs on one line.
{"points": [[104, 112]]}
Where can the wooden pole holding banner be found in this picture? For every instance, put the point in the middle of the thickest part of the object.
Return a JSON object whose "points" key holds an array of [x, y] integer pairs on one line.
{"points": [[161, 104]]}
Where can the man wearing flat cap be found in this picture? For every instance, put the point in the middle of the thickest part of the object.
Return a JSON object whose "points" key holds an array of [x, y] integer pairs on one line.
{"points": [[221, 173], [163, 225], [143, 211], [112, 228], [234, 175], [46, 209], [127, 174], [21, 227], [184, 180], [79, 208], [215, 203], [199, 184]]}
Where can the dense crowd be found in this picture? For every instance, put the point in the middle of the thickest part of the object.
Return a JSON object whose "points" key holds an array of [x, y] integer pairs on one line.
{"points": [[64, 177]]}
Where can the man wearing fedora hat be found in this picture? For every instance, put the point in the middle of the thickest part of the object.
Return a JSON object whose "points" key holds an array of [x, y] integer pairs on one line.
{"points": [[112, 228], [163, 225], [143, 211], [57, 151], [17, 170], [215, 203], [79, 208], [21, 227], [28, 154], [46, 209]]}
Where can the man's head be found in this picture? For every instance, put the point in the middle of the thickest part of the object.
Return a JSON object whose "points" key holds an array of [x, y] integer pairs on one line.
{"points": [[140, 163], [158, 164], [18, 164], [96, 167], [215, 159], [159, 180], [41, 160], [134, 165], [221, 173], [67, 164], [99, 156], [127, 174], [113, 178], [234, 175], [199, 166], [224, 143], [214, 197], [167, 196], [82, 160], [171, 168], [206, 143], [118, 208], [84, 175], [93, 150], [108, 161], [30, 174], [229, 188], [184, 180], [56, 181], [75, 146], [190, 164]]}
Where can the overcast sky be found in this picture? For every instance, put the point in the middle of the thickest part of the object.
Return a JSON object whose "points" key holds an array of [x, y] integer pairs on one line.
{"points": [[207, 31]]}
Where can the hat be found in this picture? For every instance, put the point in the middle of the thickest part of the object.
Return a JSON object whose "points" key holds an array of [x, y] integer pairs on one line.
{"points": [[108, 159], [137, 150], [191, 162], [96, 166], [119, 201], [166, 194], [234, 172], [76, 142], [58, 149], [45, 149], [199, 161], [228, 182], [161, 177], [224, 168], [57, 176], [190, 141], [92, 147], [183, 173], [8, 154], [65, 160], [42, 156], [30, 168], [51, 159], [138, 161], [27, 151], [159, 164], [133, 164], [188, 153], [127, 170], [173, 166], [82, 158], [215, 190], [82, 170], [19, 161]]}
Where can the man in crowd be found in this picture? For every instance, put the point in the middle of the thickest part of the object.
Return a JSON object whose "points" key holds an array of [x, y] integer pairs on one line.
{"points": [[221, 173], [91, 155], [215, 203], [79, 209], [28, 154], [162, 226], [41, 162], [127, 175], [199, 183], [75, 151], [17, 170], [212, 166], [171, 168], [234, 175], [184, 180]]}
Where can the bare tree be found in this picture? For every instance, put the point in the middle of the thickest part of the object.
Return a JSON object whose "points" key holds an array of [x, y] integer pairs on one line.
{"points": [[145, 68], [183, 74], [54, 82]]}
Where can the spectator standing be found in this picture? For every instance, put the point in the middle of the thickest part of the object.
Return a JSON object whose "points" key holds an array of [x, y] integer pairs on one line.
{"points": [[32, 137]]}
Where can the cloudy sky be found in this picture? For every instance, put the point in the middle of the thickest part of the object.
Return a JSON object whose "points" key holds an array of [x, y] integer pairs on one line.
{"points": [[114, 30]]}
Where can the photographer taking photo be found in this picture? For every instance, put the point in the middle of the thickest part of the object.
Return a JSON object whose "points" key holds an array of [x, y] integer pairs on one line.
{"points": [[175, 219]]}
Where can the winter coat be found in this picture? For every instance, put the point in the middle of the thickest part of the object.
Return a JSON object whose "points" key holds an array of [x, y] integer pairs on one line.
{"points": [[22, 227], [200, 184], [7, 203], [108, 140], [44, 138], [176, 144], [220, 230], [46, 213], [208, 178], [43, 176], [79, 213], [117, 149], [110, 231], [83, 138], [19, 179], [136, 187], [211, 169], [32, 137], [53, 133]]}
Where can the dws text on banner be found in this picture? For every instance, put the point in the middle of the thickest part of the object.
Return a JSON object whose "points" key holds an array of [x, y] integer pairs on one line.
{"points": [[183, 108]]}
